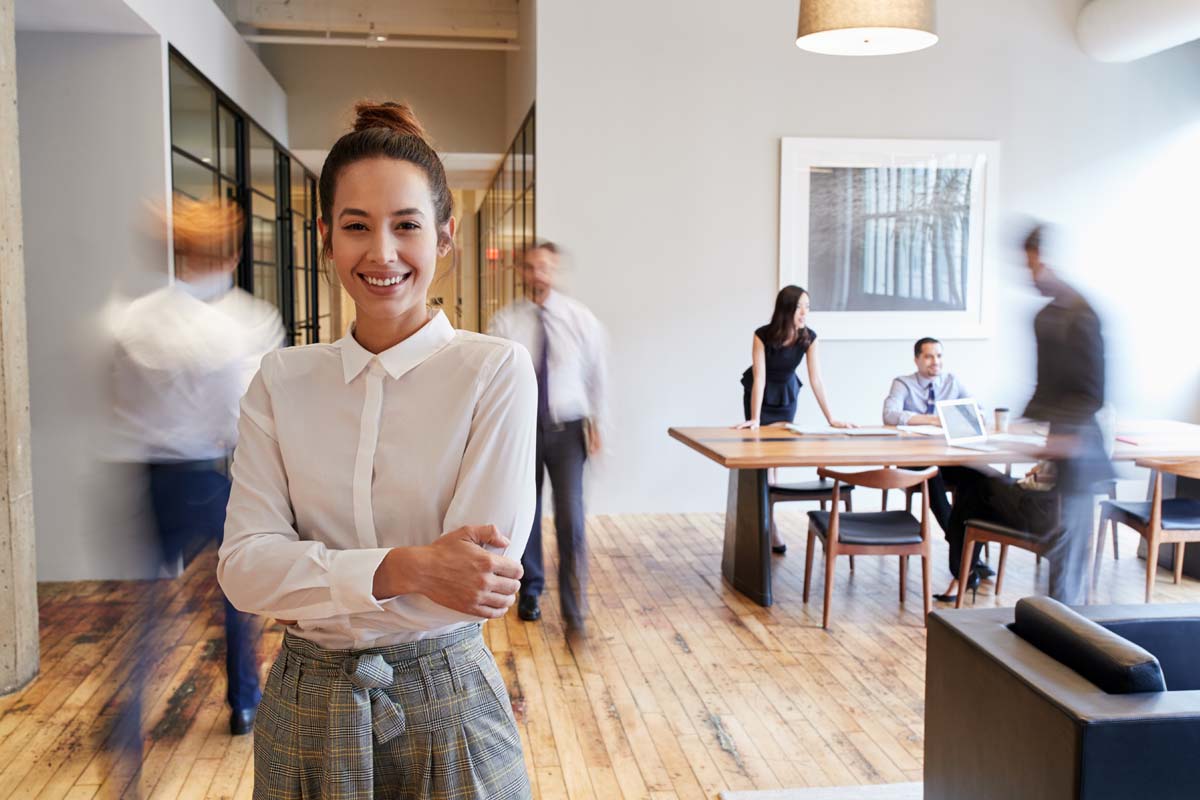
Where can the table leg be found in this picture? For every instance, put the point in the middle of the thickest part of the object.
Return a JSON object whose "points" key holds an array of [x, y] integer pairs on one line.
{"points": [[746, 561]]}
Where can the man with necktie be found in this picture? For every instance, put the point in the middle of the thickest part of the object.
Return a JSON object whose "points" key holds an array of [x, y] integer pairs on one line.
{"points": [[913, 400], [567, 344]]}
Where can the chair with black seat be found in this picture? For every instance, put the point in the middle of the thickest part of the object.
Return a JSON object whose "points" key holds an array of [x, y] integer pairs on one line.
{"points": [[1175, 520], [873, 533], [818, 491], [982, 532]]}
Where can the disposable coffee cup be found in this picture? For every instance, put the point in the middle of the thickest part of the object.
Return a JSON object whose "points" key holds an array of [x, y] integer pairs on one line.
{"points": [[1001, 420]]}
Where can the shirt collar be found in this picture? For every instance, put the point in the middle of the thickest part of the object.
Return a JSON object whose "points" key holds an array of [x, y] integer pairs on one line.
{"points": [[554, 302], [399, 359], [206, 288], [925, 383]]}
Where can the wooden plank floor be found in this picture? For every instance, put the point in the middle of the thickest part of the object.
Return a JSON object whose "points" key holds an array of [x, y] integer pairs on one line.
{"points": [[683, 688]]}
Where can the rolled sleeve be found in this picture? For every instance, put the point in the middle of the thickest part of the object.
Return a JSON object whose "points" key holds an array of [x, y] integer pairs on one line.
{"points": [[893, 406]]}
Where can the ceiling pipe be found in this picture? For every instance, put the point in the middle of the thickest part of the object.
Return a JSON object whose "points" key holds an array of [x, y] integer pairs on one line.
{"points": [[358, 41], [1126, 30]]}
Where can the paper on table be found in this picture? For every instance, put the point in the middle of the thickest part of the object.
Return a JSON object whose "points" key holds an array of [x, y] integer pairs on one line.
{"points": [[829, 431], [923, 430], [811, 430]]}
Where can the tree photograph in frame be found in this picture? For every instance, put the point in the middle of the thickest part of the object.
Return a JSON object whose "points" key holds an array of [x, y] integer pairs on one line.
{"points": [[889, 236]]}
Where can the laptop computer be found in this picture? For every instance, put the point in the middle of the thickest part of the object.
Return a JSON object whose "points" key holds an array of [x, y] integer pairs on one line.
{"points": [[962, 424]]}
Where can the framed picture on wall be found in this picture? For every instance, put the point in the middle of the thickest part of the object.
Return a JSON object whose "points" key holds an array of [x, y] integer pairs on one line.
{"points": [[890, 237]]}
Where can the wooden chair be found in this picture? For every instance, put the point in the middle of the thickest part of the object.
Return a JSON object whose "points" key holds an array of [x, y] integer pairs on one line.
{"points": [[1175, 520], [818, 491], [919, 489], [873, 533], [983, 532], [914, 490]]}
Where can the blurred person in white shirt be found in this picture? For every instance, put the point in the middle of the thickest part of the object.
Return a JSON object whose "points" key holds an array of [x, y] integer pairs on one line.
{"points": [[183, 358], [567, 344]]}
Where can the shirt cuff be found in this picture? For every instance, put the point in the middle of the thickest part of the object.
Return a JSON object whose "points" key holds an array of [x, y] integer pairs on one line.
{"points": [[352, 578], [905, 416]]}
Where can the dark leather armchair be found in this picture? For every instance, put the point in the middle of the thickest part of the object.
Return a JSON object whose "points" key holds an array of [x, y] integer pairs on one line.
{"points": [[1043, 702]]}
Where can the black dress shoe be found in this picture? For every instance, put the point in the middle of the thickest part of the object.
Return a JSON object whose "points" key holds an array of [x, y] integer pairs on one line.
{"points": [[779, 548], [946, 598], [241, 721], [527, 608], [984, 570]]}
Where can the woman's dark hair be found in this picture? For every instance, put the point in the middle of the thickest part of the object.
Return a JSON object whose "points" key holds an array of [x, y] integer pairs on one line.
{"points": [[386, 130], [782, 328]]}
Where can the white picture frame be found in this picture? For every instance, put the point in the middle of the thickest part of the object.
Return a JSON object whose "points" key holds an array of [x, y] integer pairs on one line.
{"points": [[955, 299]]}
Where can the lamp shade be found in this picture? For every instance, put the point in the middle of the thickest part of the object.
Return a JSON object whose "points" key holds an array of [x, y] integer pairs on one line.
{"points": [[866, 27]]}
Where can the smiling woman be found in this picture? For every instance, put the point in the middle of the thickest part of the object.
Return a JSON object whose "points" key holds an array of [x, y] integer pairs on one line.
{"points": [[382, 497], [385, 220]]}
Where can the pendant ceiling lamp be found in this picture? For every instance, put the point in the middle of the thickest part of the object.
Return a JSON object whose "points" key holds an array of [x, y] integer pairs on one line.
{"points": [[866, 27]]}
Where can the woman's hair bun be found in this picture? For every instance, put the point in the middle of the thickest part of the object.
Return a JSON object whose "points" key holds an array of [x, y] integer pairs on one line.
{"points": [[398, 117]]}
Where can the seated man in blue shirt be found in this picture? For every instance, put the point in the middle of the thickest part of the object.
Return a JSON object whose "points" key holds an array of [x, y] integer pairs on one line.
{"points": [[913, 398], [913, 401]]}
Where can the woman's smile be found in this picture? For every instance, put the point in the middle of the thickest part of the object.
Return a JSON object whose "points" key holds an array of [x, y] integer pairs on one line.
{"points": [[385, 283]]}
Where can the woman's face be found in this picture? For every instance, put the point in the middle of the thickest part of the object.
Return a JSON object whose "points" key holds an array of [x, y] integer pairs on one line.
{"points": [[801, 311], [383, 237]]}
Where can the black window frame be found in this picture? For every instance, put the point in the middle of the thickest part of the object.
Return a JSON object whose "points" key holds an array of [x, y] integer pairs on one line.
{"points": [[512, 194], [299, 331]]}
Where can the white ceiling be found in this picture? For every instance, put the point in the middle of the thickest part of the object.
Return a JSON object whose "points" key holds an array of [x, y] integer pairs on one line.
{"points": [[492, 20]]}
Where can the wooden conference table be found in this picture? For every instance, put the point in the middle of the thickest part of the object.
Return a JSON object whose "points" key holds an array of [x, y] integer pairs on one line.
{"points": [[746, 560]]}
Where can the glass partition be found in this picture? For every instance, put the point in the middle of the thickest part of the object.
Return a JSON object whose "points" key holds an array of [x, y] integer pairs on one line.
{"points": [[506, 225], [218, 151]]}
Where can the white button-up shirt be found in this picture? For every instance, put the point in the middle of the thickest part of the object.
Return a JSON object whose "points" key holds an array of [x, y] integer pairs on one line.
{"points": [[575, 370], [909, 395], [183, 357], [343, 455]]}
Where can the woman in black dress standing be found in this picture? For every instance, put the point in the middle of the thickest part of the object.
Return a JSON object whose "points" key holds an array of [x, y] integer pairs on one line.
{"points": [[771, 384]]}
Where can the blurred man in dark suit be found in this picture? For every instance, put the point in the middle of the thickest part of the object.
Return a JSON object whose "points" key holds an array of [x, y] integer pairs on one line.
{"points": [[1056, 498]]}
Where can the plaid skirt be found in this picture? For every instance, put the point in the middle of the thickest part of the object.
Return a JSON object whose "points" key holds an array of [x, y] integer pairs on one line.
{"points": [[424, 719]]}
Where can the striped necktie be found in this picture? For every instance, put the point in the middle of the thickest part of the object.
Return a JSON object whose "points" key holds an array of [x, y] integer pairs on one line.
{"points": [[930, 401]]}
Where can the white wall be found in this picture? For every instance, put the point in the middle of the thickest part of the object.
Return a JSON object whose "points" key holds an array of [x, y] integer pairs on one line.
{"points": [[91, 122], [200, 31], [658, 166]]}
